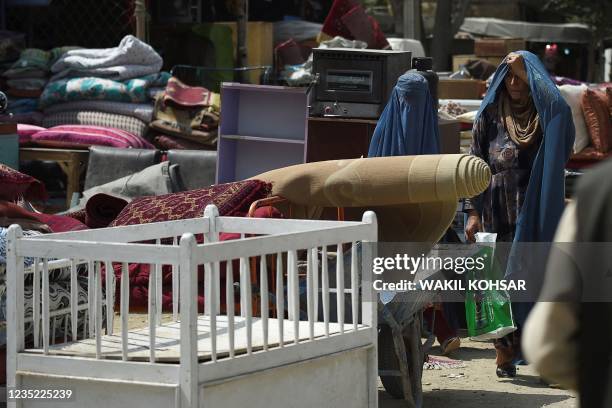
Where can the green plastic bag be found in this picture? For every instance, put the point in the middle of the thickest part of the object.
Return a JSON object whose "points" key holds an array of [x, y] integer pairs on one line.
{"points": [[488, 312]]}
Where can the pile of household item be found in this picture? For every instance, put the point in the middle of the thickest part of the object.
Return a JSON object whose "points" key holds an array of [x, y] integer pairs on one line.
{"points": [[74, 98], [591, 107], [347, 25]]}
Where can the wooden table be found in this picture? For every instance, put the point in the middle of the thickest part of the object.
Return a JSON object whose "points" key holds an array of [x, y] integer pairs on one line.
{"points": [[72, 162]]}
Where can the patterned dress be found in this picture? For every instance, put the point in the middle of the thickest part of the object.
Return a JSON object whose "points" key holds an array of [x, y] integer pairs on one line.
{"points": [[510, 165]]}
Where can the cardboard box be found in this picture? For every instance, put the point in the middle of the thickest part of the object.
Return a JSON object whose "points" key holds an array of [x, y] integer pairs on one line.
{"points": [[461, 88], [497, 47], [462, 59]]}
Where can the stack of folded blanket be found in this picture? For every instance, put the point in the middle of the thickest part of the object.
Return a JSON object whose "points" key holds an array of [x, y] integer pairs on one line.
{"points": [[185, 117], [112, 87], [25, 80], [27, 77]]}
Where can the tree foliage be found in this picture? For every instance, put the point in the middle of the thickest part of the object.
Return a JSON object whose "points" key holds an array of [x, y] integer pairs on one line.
{"points": [[597, 14]]}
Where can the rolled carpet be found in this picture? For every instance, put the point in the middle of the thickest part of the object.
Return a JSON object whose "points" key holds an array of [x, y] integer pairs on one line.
{"points": [[102, 209], [380, 180], [414, 197]]}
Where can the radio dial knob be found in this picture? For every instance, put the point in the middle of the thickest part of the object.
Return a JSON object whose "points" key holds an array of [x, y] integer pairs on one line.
{"points": [[328, 110]]}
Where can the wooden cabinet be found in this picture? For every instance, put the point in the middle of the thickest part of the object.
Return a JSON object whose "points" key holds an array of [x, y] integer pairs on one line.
{"points": [[335, 138], [262, 128]]}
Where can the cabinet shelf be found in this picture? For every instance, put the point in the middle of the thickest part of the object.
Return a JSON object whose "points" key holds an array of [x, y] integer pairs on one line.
{"points": [[262, 139], [263, 128]]}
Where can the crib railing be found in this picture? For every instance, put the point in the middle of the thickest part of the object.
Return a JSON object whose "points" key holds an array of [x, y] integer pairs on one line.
{"points": [[279, 245]]}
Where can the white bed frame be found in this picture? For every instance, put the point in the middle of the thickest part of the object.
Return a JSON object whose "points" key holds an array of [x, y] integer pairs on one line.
{"points": [[209, 360]]}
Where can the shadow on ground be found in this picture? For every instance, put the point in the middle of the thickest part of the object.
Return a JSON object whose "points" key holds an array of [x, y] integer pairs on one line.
{"points": [[466, 353], [475, 399]]}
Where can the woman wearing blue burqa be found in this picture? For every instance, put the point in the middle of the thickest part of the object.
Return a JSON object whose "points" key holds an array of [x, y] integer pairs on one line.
{"points": [[524, 131], [409, 123]]}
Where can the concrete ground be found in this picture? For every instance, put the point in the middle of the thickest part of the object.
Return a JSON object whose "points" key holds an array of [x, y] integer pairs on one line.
{"points": [[477, 386]]}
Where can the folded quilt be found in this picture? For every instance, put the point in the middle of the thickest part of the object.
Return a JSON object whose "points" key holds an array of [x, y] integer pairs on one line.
{"points": [[27, 83], [35, 63], [22, 105], [88, 118], [131, 59], [24, 93], [32, 63], [142, 111], [100, 89]]}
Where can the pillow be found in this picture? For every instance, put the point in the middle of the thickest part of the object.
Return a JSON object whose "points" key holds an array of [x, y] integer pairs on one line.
{"points": [[468, 117], [82, 137], [153, 180], [573, 97], [231, 199], [15, 185], [597, 118], [126, 123], [25, 132]]}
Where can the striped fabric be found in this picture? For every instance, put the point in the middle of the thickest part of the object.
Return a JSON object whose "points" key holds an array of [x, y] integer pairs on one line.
{"points": [[102, 119], [142, 111]]}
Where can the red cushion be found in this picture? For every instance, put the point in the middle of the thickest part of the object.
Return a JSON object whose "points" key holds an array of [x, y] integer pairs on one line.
{"points": [[82, 137], [14, 185], [25, 132], [597, 119]]}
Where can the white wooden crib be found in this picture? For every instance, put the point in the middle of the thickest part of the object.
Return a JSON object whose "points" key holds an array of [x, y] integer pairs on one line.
{"points": [[200, 360]]}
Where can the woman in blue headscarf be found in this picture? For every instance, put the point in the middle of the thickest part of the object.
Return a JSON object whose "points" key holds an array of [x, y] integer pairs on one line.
{"points": [[524, 131], [409, 123]]}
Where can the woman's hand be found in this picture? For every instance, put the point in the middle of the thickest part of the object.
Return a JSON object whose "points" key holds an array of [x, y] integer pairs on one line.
{"points": [[472, 226]]}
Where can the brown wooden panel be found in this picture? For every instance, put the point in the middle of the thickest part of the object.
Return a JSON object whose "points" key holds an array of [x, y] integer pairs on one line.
{"points": [[334, 139]]}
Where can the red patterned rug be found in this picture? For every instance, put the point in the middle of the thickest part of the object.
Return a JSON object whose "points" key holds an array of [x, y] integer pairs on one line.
{"points": [[231, 199]]}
